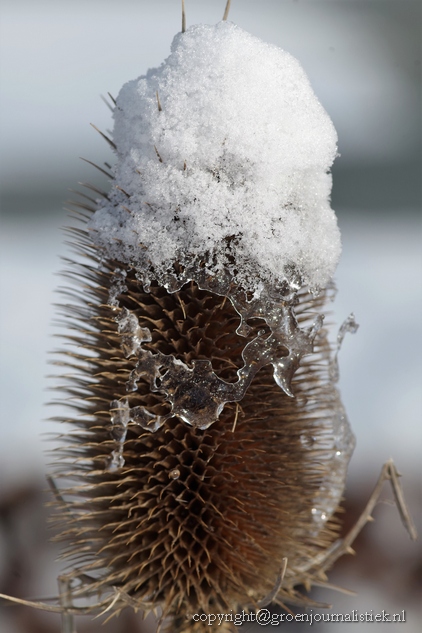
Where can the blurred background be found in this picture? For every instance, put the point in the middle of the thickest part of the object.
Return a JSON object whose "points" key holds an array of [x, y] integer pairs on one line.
{"points": [[363, 58]]}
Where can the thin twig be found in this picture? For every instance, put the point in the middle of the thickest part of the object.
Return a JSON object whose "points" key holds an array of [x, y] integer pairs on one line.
{"points": [[183, 17], [342, 546], [41, 606], [226, 12], [65, 591], [400, 501], [277, 586], [56, 492]]}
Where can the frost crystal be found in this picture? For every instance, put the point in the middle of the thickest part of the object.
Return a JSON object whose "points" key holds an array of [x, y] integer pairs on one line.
{"points": [[223, 159]]}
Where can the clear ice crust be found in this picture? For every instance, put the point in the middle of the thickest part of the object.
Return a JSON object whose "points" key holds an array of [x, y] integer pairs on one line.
{"points": [[197, 394]]}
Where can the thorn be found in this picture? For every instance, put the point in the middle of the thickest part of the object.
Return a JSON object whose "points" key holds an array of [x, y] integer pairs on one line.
{"points": [[158, 154], [182, 305], [107, 103], [226, 12], [183, 17], [80, 205], [92, 188], [308, 585], [123, 191], [235, 417], [109, 141], [350, 550], [184, 166], [370, 519], [83, 195], [158, 102], [106, 173], [112, 98]]}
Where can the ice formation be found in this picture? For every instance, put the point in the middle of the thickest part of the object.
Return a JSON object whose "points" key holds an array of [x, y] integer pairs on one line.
{"points": [[223, 154]]}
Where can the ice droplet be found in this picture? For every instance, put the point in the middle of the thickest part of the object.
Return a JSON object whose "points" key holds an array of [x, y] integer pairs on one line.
{"points": [[116, 462], [119, 413], [117, 286], [349, 325], [319, 515], [132, 335]]}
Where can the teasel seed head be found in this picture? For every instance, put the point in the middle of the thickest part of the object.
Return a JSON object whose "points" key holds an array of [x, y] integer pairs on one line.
{"points": [[209, 445], [186, 519]]}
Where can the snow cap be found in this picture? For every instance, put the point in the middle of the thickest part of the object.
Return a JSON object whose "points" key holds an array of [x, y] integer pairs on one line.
{"points": [[223, 154]]}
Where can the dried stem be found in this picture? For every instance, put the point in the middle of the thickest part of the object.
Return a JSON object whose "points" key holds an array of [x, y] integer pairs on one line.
{"points": [[183, 17], [227, 9]]}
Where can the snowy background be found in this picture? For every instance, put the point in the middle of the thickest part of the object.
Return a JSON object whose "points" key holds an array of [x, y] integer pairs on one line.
{"points": [[364, 61]]}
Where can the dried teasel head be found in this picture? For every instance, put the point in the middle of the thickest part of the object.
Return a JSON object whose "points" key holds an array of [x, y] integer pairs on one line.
{"points": [[185, 518]]}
